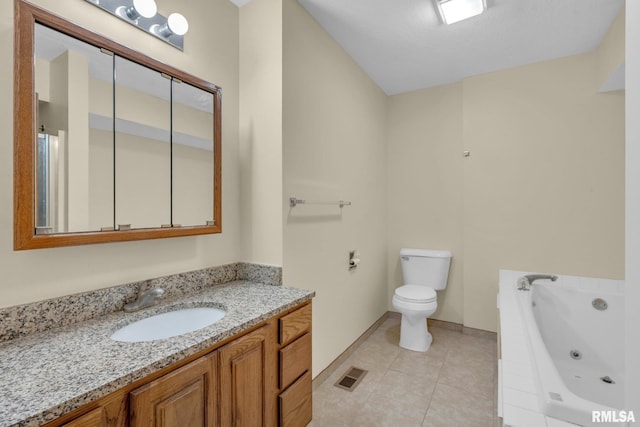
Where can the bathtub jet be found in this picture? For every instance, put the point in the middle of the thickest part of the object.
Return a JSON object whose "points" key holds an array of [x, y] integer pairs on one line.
{"points": [[525, 282]]}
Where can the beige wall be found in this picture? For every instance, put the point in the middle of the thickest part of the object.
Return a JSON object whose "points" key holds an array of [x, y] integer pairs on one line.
{"points": [[211, 52], [543, 188], [42, 79], [192, 185], [192, 182], [143, 181], [334, 147], [100, 179], [70, 99], [261, 130], [425, 185]]}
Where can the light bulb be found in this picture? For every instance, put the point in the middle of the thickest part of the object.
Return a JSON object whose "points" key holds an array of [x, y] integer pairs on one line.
{"points": [[144, 8], [178, 24]]}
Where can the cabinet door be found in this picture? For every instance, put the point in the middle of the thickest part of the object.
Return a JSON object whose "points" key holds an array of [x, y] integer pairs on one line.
{"points": [[184, 397], [111, 412], [95, 418], [247, 378]]}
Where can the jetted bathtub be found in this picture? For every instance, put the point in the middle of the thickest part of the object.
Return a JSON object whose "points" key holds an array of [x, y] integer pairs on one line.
{"points": [[575, 339]]}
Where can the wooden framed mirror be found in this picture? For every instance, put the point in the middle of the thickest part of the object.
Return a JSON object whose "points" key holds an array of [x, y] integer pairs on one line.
{"points": [[109, 144]]}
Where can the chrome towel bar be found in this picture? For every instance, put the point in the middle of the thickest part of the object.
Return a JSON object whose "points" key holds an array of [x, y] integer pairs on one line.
{"points": [[293, 202]]}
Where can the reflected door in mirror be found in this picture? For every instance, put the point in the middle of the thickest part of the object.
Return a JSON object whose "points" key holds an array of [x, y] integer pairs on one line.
{"points": [[143, 150], [74, 146], [193, 155]]}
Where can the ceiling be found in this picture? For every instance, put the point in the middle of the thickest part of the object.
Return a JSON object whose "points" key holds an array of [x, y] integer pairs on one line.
{"points": [[402, 45]]}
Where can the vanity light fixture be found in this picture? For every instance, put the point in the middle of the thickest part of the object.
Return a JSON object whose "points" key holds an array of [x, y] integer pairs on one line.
{"points": [[144, 15], [452, 11]]}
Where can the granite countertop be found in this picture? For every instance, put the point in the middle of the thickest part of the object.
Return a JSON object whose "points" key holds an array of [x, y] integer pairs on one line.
{"points": [[47, 374]]}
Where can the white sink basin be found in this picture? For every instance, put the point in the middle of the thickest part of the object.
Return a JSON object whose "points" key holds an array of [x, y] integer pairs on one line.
{"points": [[169, 324]]}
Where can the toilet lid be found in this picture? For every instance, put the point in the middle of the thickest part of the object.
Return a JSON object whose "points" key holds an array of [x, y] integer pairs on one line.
{"points": [[416, 293]]}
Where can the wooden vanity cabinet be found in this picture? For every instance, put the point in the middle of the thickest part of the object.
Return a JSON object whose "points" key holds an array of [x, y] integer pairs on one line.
{"points": [[295, 403], [294, 400], [110, 411], [184, 397], [95, 418], [247, 380], [259, 379]]}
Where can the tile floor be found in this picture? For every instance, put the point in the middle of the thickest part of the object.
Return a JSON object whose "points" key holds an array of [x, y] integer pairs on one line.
{"points": [[451, 385]]}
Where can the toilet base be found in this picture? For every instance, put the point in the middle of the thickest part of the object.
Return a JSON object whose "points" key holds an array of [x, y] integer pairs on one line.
{"points": [[414, 334]]}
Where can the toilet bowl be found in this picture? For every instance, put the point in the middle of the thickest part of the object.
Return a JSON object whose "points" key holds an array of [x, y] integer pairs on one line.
{"points": [[424, 272], [415, 303]]}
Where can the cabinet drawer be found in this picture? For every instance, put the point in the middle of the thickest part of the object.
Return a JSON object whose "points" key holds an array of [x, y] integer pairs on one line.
{"points": [[295, 324], [295, 403], [295, 359]]}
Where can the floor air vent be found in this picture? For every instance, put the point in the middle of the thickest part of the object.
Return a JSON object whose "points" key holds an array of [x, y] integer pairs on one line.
{"points": [[350, 380]]}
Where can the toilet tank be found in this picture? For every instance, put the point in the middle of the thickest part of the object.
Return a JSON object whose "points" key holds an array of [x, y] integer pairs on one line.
{"points": [[425, 267]]}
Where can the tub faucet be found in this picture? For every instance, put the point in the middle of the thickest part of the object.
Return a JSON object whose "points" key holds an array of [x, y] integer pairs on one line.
{"points": [[146, 298], [525, 282]]}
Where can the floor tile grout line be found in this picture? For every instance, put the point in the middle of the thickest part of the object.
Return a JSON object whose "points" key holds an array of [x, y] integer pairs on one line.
{"points": [[384, 340], [424, 419]]}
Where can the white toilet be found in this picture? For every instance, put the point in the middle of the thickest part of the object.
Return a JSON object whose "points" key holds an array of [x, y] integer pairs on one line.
{"points": [[424, 272]]}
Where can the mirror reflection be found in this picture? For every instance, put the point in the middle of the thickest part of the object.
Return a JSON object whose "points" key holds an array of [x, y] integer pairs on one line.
{"points": [[143, 150], [120, 146], [111, 145], [74, 147], [192, 155]]}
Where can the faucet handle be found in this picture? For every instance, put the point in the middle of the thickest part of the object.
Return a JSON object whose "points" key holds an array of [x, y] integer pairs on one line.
{"points": [[523, 283], [157, 292], [144, 287], [146, 298]]}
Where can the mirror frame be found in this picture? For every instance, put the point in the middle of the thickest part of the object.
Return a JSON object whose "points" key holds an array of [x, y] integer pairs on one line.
{"points": [[25, 131]]}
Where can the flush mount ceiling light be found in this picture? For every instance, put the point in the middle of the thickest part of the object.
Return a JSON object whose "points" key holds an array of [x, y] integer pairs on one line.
{"points": [[144, 15], [452, 11]]}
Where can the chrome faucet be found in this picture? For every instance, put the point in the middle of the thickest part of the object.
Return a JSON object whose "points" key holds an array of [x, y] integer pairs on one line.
{"points": [[525, 282], [146, 298]]}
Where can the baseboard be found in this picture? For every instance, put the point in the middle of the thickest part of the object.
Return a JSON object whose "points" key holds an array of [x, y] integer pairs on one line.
{"points": [[394, 315], [333, 366], [480, 333], [445, 325]]}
